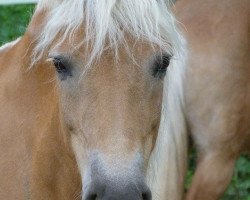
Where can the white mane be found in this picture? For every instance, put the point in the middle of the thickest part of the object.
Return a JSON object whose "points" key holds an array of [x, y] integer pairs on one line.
{"points": [[106, 21]]}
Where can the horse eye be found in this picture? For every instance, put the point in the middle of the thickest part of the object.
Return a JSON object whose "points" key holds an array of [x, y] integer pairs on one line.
{"points": [[62, 68], [161, 64]]}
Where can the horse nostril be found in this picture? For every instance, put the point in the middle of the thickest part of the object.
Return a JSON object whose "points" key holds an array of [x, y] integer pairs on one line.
{"points": [[147, 195], [92, 197]]}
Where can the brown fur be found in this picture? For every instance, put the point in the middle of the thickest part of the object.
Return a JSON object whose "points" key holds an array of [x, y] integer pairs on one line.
{"points": [[31, 151], [217, 89]]}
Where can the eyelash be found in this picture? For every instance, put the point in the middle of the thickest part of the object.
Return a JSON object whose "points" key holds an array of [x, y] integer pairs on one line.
{"points": [[62, 68], [160, 66]]}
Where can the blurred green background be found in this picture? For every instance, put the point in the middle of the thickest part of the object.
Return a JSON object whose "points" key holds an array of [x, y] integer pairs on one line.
{"points": [[14, 19]]}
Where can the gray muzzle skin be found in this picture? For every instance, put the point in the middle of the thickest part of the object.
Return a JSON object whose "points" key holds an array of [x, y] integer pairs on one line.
{"points": [[107, 191], [115, 182]]}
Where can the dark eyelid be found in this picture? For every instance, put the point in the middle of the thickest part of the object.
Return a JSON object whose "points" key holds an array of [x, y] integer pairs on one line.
{"points": [[160, 65], [64, 59], [62, 62]]}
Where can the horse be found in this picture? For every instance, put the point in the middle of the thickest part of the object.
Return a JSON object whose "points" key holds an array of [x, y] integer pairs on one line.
{"points": [[84, 103], [216, 89]]}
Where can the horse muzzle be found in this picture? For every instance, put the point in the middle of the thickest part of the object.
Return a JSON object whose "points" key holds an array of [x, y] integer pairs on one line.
{"points": [[104, 190]]}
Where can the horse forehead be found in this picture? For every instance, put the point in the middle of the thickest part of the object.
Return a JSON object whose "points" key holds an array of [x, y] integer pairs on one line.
{"points": [[119, 79]]}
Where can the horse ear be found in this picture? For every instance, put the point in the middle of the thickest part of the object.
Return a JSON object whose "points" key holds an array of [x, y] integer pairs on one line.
{"points": [[37, 22], [160, 65]]}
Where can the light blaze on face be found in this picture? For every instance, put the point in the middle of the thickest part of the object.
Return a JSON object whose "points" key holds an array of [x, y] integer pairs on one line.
{"points": [[112, 113]]}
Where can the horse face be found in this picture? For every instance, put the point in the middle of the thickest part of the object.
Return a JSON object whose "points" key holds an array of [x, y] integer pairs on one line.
{"points": [[111, 110]]}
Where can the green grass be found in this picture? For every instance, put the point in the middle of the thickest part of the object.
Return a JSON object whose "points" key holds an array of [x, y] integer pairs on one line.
{"points": [[239, 188], [14, 19], [240, 185]]}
